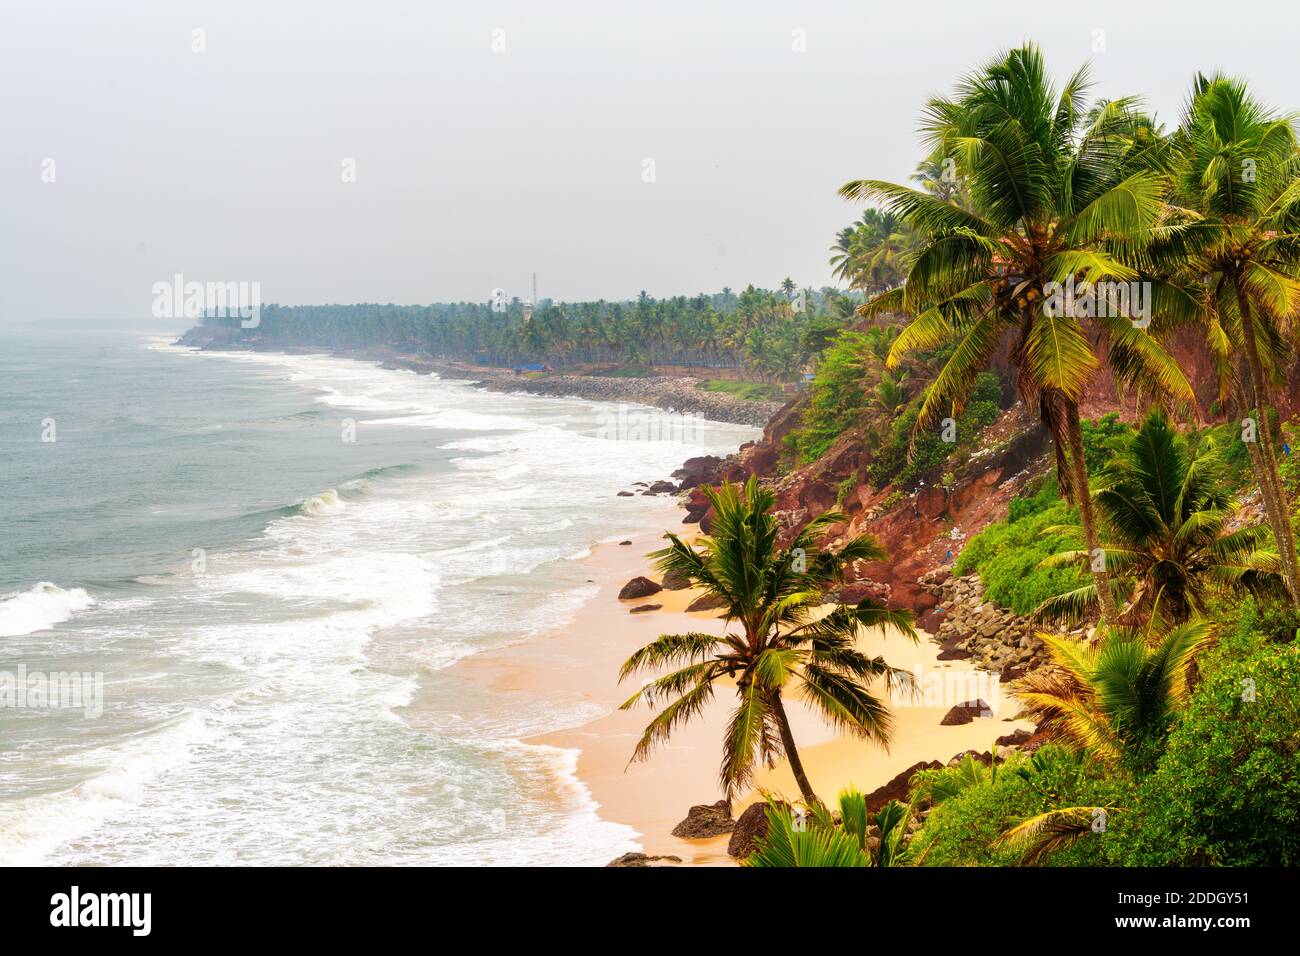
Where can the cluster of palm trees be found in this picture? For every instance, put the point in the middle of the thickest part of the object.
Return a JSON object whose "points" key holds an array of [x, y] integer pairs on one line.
{"points": [[1058, 191], [770, 334], [1029, 189]]}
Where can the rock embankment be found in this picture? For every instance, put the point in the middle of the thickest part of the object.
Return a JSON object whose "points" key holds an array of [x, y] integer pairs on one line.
{"points": [[976, 629], [682, 395]]}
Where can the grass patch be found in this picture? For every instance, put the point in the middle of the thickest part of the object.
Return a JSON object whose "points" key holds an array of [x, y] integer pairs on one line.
{"points": [[749, 391]]}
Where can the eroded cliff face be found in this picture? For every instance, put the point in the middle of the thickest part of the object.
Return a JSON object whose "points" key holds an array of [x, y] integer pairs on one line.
{"points": [[923, 531], [925, 528]]}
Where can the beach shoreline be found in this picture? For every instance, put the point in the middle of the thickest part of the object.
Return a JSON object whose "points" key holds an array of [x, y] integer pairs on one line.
{"points": [[582, 658], [676, 393]]}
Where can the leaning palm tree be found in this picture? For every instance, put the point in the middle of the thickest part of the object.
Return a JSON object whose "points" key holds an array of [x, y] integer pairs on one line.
{"points": [[1059, 193], [1234, 230], [1116, 697], [1164, 510], [775, 643]]}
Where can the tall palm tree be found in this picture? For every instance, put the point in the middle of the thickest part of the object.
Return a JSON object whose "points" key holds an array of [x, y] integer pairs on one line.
{"points": [[779, 644], [1116, 697], [1164, 510], [1235, 228], [1059, 192]]}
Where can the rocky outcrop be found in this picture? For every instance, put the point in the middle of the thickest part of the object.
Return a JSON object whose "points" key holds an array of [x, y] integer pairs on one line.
{"points": [[706, 820], [701, 470], [643, 608], [707, 602], [640, 859], [676, 581], [750, 826], [897, 788], [965, 712], [638, 587], [972, 627]]}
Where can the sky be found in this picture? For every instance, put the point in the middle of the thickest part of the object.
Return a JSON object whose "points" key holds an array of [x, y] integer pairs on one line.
{"points": [[399, 151]]}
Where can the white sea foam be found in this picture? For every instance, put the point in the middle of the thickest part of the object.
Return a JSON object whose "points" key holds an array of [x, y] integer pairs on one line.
{"points": [[40, 608]]}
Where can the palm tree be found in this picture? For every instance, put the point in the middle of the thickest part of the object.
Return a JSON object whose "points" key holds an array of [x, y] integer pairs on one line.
{"points": [[781, 644], [1116, 697], [1164, 512], [1235, 228], [1058, 192]]}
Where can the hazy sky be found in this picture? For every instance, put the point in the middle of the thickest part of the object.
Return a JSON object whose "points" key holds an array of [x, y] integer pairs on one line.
{"points": [[475, 167]]}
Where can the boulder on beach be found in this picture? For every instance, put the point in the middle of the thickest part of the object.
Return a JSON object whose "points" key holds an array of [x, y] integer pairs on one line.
{"points": [[707, 602], [625, 494], [638, 587], [965, 712], [641, 859], [896, 789], [676, 580], [1013, 739], [642, 608], [662, 487], [705, 820], [750, 825], [621, 543], [702, 470]]}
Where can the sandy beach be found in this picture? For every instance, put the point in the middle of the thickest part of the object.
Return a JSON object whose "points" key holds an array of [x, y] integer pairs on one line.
{"points": [[580, 661]]}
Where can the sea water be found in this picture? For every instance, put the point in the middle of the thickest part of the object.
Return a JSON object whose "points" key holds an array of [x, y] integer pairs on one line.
{"points": [[266, 559]]}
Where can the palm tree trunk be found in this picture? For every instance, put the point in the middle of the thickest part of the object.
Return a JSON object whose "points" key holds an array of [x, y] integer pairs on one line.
{"points": [[791, 752], [1270, 485], [1079, 479]]}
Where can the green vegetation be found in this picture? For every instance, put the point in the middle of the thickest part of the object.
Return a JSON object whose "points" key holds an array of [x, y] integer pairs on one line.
{"points": [[772, 593], [751, 391], [769, 334]]}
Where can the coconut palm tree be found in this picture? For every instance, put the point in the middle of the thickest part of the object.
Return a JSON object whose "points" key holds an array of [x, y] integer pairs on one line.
{"points": [[1117, 696], [1235, 228], [1060, 193], [1164, 511], [775, 643]]}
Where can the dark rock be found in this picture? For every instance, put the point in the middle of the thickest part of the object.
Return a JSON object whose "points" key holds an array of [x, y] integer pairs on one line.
{"points": [[706, 820], [662, 487], [642, 608], [621, 543], [625, 494], [896, 789], [638, 587], [648, 494], [676, 580], [965, 712], [702, 470], [707, 602], [1014, 739], [640, 859], [750, 825]]}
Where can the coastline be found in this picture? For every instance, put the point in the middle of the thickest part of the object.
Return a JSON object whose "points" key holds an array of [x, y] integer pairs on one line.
{"points": [[578, 660], [680, 394], [582, 657]]}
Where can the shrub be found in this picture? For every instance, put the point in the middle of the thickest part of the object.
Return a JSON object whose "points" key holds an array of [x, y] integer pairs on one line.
{"points": [[964, 829], [1006, 556], [1227, 789]]}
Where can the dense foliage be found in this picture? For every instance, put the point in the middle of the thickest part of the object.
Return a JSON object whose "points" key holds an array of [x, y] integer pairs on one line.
{"points": [[769, 333]]}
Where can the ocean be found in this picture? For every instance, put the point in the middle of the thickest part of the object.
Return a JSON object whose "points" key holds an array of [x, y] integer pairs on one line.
{"points": [[258, 570]]}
